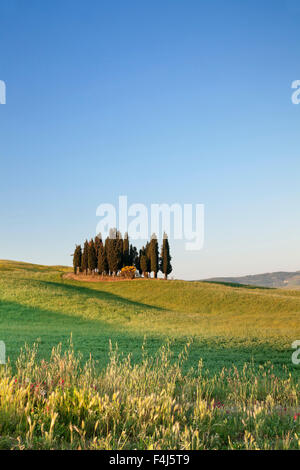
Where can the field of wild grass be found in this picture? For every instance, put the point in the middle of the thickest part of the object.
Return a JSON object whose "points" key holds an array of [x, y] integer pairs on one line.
{"points": [[62, 404], [236, 387], [229, 325]]}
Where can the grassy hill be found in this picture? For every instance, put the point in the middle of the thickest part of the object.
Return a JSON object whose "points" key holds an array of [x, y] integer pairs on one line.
{"points": [[289, 280], [228, 324]]}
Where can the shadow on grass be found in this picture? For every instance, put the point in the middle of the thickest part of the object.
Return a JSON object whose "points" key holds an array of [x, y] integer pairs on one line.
{"points": [[17, 316], [20, 324], [97, 294], [235, 284]]}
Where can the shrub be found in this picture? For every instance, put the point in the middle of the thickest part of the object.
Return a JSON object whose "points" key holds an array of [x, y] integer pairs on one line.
{"points": [[128, 272]]}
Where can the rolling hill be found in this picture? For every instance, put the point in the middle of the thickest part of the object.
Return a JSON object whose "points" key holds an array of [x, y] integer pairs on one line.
{"points": [[284, 280], [228, 324]]}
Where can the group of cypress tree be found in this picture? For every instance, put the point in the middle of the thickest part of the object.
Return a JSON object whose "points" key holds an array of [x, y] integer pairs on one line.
{"points": [[109, 257]]}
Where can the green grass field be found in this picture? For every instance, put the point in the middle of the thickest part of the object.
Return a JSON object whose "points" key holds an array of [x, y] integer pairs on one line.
{"points": [[233, 387], [227, 324]]}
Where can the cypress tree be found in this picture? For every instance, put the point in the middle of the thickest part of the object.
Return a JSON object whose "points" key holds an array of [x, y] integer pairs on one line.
{"points": [[148, 257], [133, 257], [98, 241], [107, 253], [113, 251], [137, 264], [154, 255], [165, 260], [106, 268], [119, 248], [85, 257], [77, 258], [126, 254], [102, 262], [113, 257], [118, 253], [143, 262], [92, 259]]}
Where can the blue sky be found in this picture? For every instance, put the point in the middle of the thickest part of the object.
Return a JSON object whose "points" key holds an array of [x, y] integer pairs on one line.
{"points": [[163, 101]]}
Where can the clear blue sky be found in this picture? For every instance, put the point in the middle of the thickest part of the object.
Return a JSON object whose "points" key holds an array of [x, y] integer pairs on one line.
{"points": [[164, 101]]}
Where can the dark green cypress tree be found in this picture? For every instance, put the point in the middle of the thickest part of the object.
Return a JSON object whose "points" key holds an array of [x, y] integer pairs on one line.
{"points": [[133, 257], [126, 251], [143, 262], [77, 258], [137, 264], [98, 241], [148, 256], [113, 251], [113, 257], [117, 253], [154, 255], [106, 268], [92, 259], [130, 256], [119, 248], [102, 262], [85, 257], [108, 253], [165, 259]]}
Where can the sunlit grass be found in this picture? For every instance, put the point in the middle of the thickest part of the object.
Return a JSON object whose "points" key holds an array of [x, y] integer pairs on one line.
{"points": [[62, 404], [228, 324]]}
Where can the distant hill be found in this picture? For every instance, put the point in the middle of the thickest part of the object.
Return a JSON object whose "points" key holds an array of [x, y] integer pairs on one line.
{"points": [[275, 280]]}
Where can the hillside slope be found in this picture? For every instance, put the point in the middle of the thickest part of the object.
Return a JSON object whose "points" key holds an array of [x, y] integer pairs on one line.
{"points": [[287, 280], [234, 323]]}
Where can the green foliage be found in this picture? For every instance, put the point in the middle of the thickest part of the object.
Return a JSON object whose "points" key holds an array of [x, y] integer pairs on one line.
{"points": [[228, 324], [119, 253], [148, 257], [114, 251], [134, 259], [77, 258], [154, 255], [92, 258], [143, 261], [102, 261], [126, 254], [153, 405], [165, 260], [119, 250], [98, 243], [85, 257]]}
